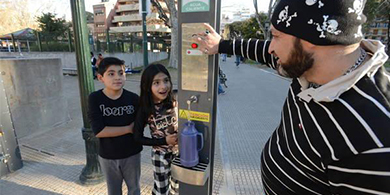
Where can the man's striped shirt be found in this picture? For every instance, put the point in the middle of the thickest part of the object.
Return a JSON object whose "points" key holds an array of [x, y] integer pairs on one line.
{"points": [[334, 139]]}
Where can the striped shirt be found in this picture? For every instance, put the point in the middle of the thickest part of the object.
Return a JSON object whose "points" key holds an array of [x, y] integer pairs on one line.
{"points": [[334, 139]]}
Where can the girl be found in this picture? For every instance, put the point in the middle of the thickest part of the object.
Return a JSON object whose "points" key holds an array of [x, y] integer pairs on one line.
{"points": [[158, 109]]}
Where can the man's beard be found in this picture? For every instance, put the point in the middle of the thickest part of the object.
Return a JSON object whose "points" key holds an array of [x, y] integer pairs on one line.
{"points": [[299, 61]]}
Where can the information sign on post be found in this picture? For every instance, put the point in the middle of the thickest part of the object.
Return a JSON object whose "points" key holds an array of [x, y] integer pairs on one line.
{"points": [[195, 6]]}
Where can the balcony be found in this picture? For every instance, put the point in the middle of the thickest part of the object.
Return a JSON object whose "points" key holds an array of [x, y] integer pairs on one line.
{"points": [[131, 7], [152, 16], [123, 1], [127, 18], [150, 28], [133, 18]]}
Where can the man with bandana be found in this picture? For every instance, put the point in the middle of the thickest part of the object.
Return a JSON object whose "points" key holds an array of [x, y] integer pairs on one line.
{"points": [[334, 133]]}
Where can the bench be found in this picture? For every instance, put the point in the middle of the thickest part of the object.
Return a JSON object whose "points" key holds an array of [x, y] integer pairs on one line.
{"points": [[69, 71]]}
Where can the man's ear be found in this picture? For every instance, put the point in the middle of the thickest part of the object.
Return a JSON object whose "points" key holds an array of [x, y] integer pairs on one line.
{"points": [[307, 46]]}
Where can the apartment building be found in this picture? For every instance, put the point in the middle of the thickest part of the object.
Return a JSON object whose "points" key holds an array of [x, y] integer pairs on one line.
{"points": [[123, 18], [379, 30], [103, 14], [128, 19]]}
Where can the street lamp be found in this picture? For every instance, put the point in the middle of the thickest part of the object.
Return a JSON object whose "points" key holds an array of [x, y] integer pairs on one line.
{"points": [[266, 29], [91, 173], [144, 34], [266, 25]]}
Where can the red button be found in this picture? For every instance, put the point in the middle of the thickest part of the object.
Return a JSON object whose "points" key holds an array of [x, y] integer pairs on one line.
{"points": [[194, 46]]}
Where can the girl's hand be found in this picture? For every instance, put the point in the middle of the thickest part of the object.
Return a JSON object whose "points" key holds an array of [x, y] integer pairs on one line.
{"points": [[171, 139]]}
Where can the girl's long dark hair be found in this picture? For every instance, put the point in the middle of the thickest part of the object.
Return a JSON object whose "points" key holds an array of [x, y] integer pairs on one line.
{"points": [[146, 97]]}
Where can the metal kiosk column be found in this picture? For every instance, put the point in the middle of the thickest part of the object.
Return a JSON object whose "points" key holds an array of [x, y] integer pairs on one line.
{"points": [[197, 95]]}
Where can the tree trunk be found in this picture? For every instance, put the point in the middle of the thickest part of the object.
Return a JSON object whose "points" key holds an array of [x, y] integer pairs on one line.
{"points": [[271, 6], [174, 53], [257, 16]]}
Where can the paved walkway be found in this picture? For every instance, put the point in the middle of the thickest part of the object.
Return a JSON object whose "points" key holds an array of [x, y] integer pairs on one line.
{"points": [[247, 115]]}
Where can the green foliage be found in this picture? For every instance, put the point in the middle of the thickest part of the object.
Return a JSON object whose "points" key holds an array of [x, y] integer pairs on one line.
{"points": [[375, 9], [89, 16], [233, 30], [51, 27], [52, 46], [387, 65], [250, 29], [246, 29]]}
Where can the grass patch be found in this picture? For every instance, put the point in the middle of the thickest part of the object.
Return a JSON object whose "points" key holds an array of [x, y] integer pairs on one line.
{"points": [[255, 64], [138, 68], [251, 62], [387, 65], [164, 62]]}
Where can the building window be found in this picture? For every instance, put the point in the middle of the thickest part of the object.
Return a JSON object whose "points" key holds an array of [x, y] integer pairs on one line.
{"points": [[100, 25], [99, 12]]}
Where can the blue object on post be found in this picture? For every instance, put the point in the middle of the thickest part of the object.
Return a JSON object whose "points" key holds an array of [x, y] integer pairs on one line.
{"points": [[189, 145]]}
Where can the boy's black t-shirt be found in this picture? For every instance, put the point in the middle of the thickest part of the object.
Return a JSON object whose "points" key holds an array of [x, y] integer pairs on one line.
{"points": [[103, 112]]}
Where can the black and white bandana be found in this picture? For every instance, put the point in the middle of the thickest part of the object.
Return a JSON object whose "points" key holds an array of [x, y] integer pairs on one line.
{"points": [[321, 22]]}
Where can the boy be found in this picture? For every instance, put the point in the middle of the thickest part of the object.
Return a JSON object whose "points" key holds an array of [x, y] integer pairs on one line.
{"points": [[112, 111]]}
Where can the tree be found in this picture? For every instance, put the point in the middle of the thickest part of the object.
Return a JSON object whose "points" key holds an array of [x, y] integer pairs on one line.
{"points": [[233, 30], [52, 28], [250, 29], [260, 20], [377, 9], [15, 16], [89, 16], [246, 29], [172, 23]]}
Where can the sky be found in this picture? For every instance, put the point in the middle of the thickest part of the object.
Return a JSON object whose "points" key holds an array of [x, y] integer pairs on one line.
{"points": [[62, 7], [262, 4]]}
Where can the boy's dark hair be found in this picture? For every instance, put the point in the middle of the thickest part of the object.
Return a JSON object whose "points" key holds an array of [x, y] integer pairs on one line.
{"points": [[107, 62], [146, 96]]}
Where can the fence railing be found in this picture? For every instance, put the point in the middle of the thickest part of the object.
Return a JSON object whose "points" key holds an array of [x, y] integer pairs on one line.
{"points": [[49, 44]]}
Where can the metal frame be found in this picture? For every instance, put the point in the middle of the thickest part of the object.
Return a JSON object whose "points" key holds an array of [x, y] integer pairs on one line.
{"points": [[10, 157]]}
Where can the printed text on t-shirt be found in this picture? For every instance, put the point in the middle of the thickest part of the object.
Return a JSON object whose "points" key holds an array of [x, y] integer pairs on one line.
{"points": [[164, 122], [116, 111]]}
